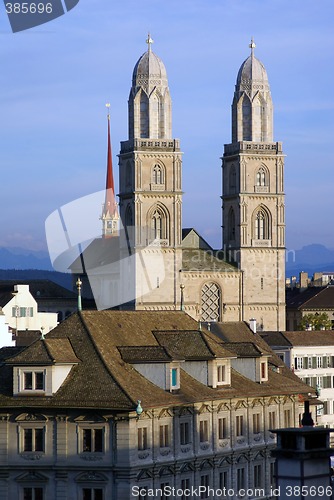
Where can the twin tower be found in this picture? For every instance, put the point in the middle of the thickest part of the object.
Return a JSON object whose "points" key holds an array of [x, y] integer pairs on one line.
{"points": [[246, 278]]}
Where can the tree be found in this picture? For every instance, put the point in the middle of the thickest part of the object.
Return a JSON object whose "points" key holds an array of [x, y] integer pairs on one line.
{"points": [[317, 321]]}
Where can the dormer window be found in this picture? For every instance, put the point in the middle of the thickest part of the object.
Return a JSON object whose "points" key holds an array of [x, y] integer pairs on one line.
{"points": [[219, 372], [174, 377], [264, 370], [33, 381]]}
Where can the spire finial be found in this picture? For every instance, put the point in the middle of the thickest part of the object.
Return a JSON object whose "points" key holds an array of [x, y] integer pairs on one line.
{"points": [[108, 108], [149, 41], [252, 46]]}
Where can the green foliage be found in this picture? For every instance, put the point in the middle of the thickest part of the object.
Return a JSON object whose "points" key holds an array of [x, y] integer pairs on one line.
{"points": [[318, 321]]}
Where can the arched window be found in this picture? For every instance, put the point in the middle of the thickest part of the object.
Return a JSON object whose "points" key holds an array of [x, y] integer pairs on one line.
{"points": [[261, 177], [158, 177], [210, 302], [159, 224], [233, 180], [156, 225], [262, 229], [231, 224], [144, 119]]}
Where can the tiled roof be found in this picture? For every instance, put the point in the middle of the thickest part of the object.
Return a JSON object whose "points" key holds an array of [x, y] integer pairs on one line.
{"points": [[39, 289], [244, 349], [102, 378], [152, 353], [45, 352], [275, 339], [311, 298], [311, 338], [184, 345]]}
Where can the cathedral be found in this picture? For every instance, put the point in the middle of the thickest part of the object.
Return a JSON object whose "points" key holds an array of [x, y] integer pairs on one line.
{"points": [[160, 265]]}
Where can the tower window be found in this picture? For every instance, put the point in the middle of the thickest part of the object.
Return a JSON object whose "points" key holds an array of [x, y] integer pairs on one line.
{"points": [[262, 225], [261, 177], [158, 224], [157, 175]]}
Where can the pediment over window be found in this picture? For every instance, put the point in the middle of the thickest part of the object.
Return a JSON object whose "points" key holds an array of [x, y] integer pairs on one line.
{"points": [[205, 409], [31, 417], [91, 476], [144, 474], [33, 477], [165, 413], [90, 418], [187, 467], [166, 471], [241, 404]]}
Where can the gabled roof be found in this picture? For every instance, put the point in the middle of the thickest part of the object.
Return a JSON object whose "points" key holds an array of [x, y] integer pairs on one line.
{"points": [[311, 298], [311, 338]]}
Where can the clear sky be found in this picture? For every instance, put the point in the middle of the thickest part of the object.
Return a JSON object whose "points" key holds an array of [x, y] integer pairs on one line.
{"points": [[55, 80]]}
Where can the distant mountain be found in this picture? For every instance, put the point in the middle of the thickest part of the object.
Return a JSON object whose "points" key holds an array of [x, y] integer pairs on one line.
{"points": [[18, 275], [21, 258], [311, 258]]}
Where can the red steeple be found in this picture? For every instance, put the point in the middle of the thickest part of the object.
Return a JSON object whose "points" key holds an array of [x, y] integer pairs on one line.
{"points": [[109, 212]]}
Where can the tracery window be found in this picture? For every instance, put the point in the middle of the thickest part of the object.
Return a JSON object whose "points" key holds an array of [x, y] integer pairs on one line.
{"points": [[159, 224], [210, 302], [261, 177], [262, 225], [157, 175]]}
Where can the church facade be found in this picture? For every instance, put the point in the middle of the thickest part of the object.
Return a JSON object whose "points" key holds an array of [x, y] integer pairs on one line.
{"points": [[244, 280]]}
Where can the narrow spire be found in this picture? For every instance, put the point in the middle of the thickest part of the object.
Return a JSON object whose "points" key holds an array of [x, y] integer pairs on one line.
{"points": [[109, 212], [149, 42], [110, 203]]}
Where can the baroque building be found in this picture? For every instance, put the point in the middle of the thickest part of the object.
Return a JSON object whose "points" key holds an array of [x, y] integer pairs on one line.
{"points": [[112, 405]]}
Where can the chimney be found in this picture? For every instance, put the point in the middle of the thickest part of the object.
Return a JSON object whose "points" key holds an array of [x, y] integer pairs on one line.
{"points": [[252, 325]]}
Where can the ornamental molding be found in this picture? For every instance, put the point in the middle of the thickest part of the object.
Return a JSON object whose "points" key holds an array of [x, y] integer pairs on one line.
{"points": [[31, 456], [31, 417]]}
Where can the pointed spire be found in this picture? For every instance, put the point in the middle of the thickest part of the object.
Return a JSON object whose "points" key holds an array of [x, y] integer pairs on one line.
{"points": [[110, 206]]}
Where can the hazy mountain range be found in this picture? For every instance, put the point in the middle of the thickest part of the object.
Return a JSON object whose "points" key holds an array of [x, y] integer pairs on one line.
{"points": [[311, 258]]}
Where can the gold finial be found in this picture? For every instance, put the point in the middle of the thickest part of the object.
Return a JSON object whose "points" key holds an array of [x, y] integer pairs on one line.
{"points": [[149, 41], [108, 108], [252, 45]]}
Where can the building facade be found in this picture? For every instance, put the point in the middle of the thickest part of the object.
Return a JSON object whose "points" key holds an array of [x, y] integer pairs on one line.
{"points": [[161, 266], [113, 405]]}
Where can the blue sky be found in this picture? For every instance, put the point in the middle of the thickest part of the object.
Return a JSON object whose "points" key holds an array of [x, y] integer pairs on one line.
{"points": [[56, 79]]}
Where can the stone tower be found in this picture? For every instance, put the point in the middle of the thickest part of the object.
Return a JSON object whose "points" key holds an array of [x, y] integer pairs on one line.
{"points": [[253, 198], [150, 163]]}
